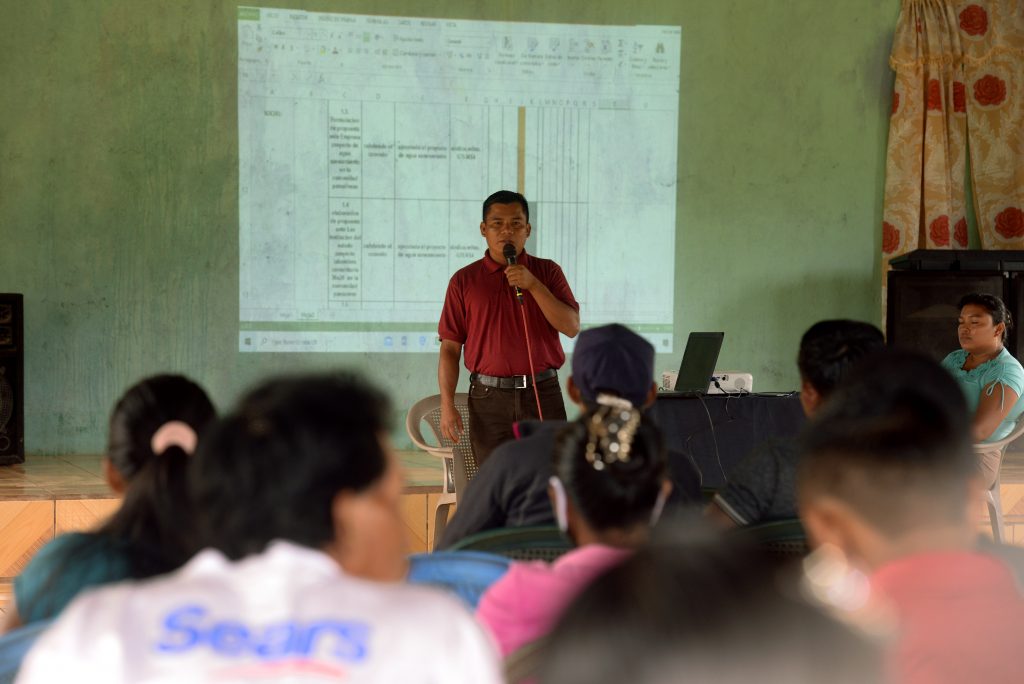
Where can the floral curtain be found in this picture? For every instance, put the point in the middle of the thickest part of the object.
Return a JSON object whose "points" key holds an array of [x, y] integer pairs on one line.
{"points": [[959, 86], [993, 46]]}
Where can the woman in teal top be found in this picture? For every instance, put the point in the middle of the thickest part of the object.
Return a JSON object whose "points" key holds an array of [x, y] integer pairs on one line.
{"points": [[153, 429], [990, 377]]}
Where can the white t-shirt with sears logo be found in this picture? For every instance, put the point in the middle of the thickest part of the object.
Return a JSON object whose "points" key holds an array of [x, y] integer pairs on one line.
{"points": [[288, 614]]}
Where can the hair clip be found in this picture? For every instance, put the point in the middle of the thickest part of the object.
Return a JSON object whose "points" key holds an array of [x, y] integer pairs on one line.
{"points": [[610, 433], [604, 399], [174, 433]]}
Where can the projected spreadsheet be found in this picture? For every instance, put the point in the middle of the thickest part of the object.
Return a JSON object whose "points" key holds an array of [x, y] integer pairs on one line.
{"points": [[367, 145]]}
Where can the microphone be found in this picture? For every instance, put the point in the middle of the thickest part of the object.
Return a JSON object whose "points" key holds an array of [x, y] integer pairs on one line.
{"points": [[509, 252]]}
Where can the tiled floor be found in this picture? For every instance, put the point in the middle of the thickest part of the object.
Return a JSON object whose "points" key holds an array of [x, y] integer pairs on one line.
{"points": [[52, 477], [5, 597], [81, 477]]}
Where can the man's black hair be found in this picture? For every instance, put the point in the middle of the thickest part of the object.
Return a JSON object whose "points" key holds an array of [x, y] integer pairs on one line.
{"points": [[271, 469], [893, 442], [507, 197], [829, 349]]}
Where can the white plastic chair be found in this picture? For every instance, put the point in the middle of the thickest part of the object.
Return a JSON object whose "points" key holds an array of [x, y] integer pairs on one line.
{"points": [[458, 463], [992, 499]]}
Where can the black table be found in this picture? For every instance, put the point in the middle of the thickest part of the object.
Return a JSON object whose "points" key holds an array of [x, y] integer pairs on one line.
{"points": [[717, 430]]}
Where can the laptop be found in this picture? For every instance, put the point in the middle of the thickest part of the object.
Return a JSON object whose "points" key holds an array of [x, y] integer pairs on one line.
{"points": [[698, 364]]}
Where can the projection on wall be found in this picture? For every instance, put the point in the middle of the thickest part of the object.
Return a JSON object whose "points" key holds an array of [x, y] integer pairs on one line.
{"points": [[367, 144]]}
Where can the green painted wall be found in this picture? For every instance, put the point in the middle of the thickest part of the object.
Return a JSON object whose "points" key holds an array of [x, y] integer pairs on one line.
{"points": [[118, 187]]}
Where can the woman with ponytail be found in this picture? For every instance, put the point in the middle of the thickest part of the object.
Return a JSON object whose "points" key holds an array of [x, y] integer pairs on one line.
{"points": [[609, 488], [154, 428]]}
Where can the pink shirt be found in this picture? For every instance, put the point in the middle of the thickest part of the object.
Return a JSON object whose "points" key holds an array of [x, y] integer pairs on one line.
{"points": [[524, 605], [960, 619]]}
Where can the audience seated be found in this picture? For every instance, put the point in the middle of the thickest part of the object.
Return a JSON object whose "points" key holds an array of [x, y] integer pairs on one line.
{"points": [[510, 490], [703, 608], [888, 479], [762, 486], [297, 495], [609, 487], [981, 366], [153, 429]]}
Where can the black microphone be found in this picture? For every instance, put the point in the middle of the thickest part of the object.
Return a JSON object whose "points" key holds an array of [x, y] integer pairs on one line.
{"points": [[509, 252]]}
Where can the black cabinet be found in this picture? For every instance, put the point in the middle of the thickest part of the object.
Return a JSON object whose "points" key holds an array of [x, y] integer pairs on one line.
{"points": [[925, 286], [12, 384]]}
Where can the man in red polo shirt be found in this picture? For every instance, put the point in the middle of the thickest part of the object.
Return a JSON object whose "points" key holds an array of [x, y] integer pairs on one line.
{"points": [[888, 479], [482, 315]]}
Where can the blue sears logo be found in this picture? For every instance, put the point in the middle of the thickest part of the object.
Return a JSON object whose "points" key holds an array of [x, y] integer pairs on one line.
{"points": [[185, 629]]}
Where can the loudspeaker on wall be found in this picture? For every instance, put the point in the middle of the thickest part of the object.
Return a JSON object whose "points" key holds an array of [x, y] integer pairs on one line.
{"points": [[12, 379]]}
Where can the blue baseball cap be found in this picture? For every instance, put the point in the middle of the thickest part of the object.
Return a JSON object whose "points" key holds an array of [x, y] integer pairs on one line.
{"points": [[612, 358]]}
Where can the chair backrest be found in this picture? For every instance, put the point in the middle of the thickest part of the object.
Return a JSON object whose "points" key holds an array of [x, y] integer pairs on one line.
{"points": [[544, 542], [464, 466], [995, 505], [522, 664], [780, 538], [14, 645], [1017, 431], [467, 574]]}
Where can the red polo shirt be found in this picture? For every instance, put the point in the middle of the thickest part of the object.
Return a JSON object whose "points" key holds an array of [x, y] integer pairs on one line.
{"points": [[481, 313], [960, 619]]}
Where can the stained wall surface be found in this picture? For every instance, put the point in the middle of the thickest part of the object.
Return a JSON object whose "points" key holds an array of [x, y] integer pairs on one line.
{"points": [[119, 201]]}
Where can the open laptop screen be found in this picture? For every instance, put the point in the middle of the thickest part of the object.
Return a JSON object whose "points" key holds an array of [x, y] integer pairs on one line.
{"points": [[699, 361]]}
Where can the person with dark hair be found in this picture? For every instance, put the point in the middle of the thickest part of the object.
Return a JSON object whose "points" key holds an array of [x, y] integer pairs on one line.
{"points": [[154, 428], [702, 608], [991, 379], [608, 489], [762, 487], [610, 364], [513, 363], [297, 493], [888, 479]]}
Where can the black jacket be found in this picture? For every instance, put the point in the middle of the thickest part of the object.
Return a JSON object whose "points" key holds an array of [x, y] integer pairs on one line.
{"points": [[511, 488]]}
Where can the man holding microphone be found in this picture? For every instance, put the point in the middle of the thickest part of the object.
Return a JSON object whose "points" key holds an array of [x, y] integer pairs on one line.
{"points": [[504, 310]]}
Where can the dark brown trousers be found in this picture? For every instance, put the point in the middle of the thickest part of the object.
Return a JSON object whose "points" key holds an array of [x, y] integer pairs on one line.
{"points": [[492, 411]]}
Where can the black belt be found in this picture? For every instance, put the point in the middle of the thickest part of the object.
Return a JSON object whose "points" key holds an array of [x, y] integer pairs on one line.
{"points": [[512, 382]]}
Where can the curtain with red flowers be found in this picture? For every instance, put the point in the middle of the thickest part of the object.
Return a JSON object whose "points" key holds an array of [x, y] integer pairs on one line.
{"points": [[959, 79], [993, 49]]}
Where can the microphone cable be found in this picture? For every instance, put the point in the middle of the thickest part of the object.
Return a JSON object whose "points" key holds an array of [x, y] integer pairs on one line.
{"points": [[529, 356], [509, 252]]}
